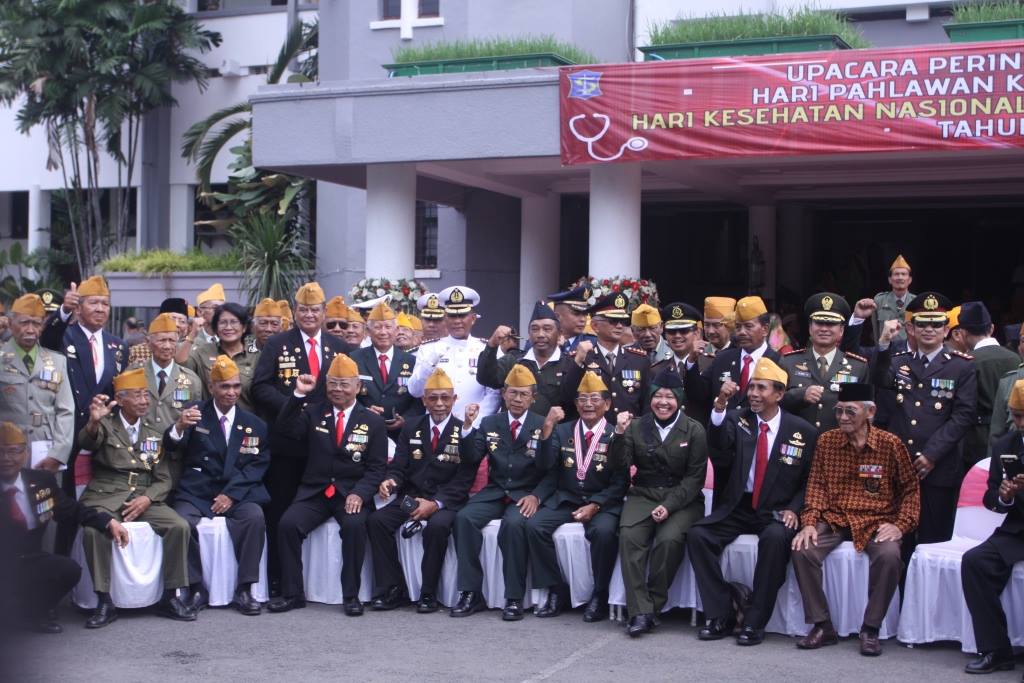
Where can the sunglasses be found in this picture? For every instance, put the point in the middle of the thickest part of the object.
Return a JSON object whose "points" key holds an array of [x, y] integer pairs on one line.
{"points": [[337, 325], [924, 324], [849, 412]]}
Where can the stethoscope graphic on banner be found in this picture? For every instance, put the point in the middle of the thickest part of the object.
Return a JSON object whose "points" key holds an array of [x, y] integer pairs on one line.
{"points": [[635, 143]]}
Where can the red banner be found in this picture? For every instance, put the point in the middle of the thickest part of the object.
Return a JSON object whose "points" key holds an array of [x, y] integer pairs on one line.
{"points": [[935, 97]]}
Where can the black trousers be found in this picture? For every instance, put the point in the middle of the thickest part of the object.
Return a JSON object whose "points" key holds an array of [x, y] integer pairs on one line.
{"points": [[938, 511], [387, 570], [282, 481], [705, 543], [41, 580], [984, 572], [469, 539], [299, 520], [602, 531], [247, 530]]}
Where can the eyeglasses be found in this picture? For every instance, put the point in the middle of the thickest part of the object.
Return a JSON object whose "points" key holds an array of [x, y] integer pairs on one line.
{"points": [[227, 323], [589, 400], [337, 325], [935, 325], [339, 384], [846, 410], [12, 451]]}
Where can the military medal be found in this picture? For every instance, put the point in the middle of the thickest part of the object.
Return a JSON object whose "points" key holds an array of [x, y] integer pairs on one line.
{"points": [[583, 460]]}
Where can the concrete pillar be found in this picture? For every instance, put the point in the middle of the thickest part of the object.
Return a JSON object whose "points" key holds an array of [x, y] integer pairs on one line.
{"points": [[614, 220], [540, 224], [38, 219], [762, 227], [390, 220], [182, 216], [791, 271]]}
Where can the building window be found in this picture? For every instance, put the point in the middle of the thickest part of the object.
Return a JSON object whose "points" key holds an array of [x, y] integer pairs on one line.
{"points": [[426, 235], [430, 8], [19, 215], [390, 9]]}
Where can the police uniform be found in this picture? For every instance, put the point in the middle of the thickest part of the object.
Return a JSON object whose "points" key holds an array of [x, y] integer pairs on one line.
{"points": [[579, 299], [628, 380], [202, 357], [457, 357], [39, 401], [934, 409], [683, 317], [806, 368], [492, 371]]}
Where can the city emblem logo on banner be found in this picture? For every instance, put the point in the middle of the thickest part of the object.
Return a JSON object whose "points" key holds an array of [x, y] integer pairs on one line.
{"points": [[585, 84]]}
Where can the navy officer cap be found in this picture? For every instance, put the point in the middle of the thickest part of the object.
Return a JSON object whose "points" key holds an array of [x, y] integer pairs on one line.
{"points": [[577, 298]]}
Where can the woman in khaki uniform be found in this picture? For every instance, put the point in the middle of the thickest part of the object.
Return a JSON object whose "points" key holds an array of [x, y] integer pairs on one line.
{"points": [[230, 323], [670, 453]]}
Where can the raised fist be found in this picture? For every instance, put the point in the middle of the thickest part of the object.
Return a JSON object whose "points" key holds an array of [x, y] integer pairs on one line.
{"points": [[582, 349], [622, 421], [305, 384]]}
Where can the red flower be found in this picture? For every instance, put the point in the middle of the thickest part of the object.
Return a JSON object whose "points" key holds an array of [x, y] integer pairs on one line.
{"points": [[387, 285], [643, 282], [405, 291], [636, 286], [615, 288]]}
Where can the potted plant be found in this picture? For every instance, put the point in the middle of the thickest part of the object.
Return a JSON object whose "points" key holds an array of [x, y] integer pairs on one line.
{"points": [[144, 280], [1000, 20], [490, 54], [798, 30]]}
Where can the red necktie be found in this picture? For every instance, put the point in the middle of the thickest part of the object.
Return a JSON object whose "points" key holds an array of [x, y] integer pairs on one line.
{"points": [[17, 516], [589, 436], [384, 368], [515, 429], [339, 428], [435, 439], [745, 374], [761, 463], [314, 360]]}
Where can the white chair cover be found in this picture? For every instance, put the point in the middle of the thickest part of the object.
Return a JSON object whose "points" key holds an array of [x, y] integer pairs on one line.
{"points": [[410, 554], [220, 567], [136, 578], [321, 566], [494, 579]]}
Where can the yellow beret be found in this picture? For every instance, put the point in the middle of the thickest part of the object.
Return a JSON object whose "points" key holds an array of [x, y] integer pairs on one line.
{"points": [[94, 286], [719, 307], [11, 435], [310, 294], [130, 379], [749, 308], [336, 308], [30, 305], [284, 308], [591, 383], [416, 323], [645, 315], [438, 379], [354, 316], [267, 308], [214, 293], [191, 311], [953, 317], [900, 262], [767, 369], [519, 376], [403, 320], [343, 366], [381, 312], [223, 368], [163, 323], [1016, 401]]}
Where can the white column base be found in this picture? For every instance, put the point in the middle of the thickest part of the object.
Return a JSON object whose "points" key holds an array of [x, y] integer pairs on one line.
{"points": [[614, 220]]}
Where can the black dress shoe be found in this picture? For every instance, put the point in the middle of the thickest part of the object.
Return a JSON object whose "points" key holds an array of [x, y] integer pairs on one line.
{"points": [[392, 598], [105, 613], [554, 605], [199, 599], [716, 629], [750, 636], [353, 608], [640, 624], [470, 602], [174, 608], [427, 604], [513, 610], [47, 623], [742, 597], [245, 603], [286, 604], [275, 588], [596, 609], [999, 660]]}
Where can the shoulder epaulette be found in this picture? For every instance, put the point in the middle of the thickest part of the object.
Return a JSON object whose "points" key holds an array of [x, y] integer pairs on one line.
{"points": [[959, 353], [790, 353], [413, 349], [429, 341], [636, 350], [1014, 372], [901, 353], [854, 356]]}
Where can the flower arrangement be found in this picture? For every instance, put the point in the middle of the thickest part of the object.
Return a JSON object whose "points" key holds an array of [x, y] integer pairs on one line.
{"points": [[404, 293], [638, 290]]}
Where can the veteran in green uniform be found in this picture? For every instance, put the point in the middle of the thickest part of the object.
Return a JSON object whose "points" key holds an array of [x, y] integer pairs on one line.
{"points": [[230, 322], [817, 372], [1001, 420], [130, 482], [670, 452], [35, 393], [892, 305]]}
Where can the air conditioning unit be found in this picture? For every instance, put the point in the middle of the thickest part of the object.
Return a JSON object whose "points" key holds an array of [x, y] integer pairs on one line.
{"points": [[229, 68]]}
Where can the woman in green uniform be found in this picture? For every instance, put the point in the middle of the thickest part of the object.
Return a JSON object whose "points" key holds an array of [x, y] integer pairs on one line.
{"points": [[230, 323]]}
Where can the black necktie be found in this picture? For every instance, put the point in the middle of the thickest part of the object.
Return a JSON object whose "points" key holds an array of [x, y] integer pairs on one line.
{"points": [[163, 382], [924, 360], [28, 362]]}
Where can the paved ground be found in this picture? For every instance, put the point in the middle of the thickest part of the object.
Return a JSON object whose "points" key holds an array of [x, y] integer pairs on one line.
{"points": [[320, 643]]}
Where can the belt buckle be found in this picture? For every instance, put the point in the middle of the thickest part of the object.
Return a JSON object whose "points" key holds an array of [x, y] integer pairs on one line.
{"points": [[132, 478]]}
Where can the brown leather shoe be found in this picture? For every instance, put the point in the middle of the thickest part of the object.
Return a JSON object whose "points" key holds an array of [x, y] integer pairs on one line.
{"points": [[870, 645], [821, 635]]}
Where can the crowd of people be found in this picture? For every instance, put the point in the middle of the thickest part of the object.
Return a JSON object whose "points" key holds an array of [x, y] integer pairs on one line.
{"points": [[396, 424]]}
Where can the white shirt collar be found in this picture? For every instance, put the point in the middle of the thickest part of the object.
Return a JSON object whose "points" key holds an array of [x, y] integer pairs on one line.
{"points": [[756, 353], [773, 424], [987, 341], [230, 415], [441, 425], [87, 333], [663, 431], [18, 483], [156, 368], [306, 338], [604, 352], [130, 425], [347, 413], [829, 357], [390, 353], [931, 356], [555, 357], [521, 419]]}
